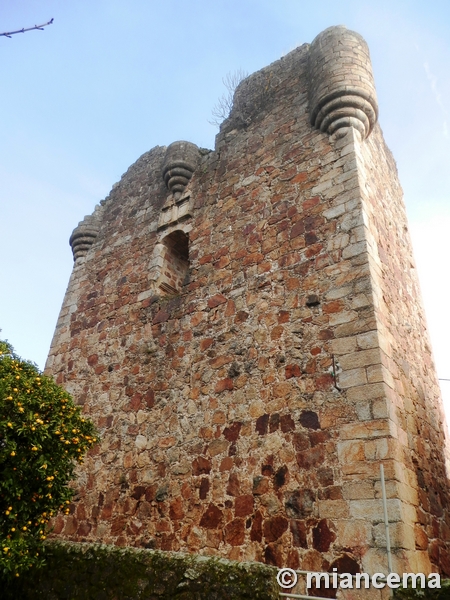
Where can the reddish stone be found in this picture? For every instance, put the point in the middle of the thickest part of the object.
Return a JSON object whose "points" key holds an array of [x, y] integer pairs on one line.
{"points": [[176, 511], [71, 526], [230, 308], [323, 536], [262, 423], [133, 528], [92, 360], [138, 492], [234, 486], [321, 591], [106, 512], [283, 225], [433, 551], [345, 564], [333, 492], [273, 555], [206, 343], [435, 504], [204, 488], [223, 384], [231, 433], [216, 300], [260, 485], [326, 334], [201, 466], [276, 332], [222, 262], [150, 493], [219, 361], [297, 230], [301, 441], [241, 316], [292, 371], [235, 532], [149, 398], [300, 178], [444, 557], [324, 382], [308, 204], [310, 238], [309, 419], [293, 560], [333, 307], [318, 437], [243, 505], [84, 529], [274, 528], [226, 464], [81, 512], [325, 476], [167, 542], [144, 510], [221, 252], [58, 525], [311, 458], [212, 517], [287, 423], [163, 524], [161, 317], [274, 422], [298, 530], [135, 401], [256, 530], [283, 316], [299, 503], [280, 477], [267, 469], [205, 259], [118, 525]]}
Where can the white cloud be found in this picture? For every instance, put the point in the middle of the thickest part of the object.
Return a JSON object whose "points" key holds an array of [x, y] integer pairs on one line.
{"points": [[434, 88]]}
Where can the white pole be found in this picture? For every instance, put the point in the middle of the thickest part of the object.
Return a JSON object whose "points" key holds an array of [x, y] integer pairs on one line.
{"points": [[386, 521]]}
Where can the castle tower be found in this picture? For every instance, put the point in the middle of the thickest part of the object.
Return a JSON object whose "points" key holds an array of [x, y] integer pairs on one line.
{"points": [[245, 327]]}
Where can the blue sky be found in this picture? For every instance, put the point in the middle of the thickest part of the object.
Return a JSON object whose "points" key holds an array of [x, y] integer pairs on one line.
{"points": [[82, 100]]}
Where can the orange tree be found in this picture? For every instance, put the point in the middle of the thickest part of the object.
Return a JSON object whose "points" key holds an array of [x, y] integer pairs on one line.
{"points": [[42, 437]]}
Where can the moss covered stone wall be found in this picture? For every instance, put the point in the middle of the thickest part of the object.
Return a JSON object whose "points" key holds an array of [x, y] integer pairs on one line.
{"points": [[77, 571], [99, 572], [442, 594]]}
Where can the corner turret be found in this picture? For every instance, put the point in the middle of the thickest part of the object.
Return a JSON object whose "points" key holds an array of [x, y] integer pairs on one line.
{"points": [[341, 89]]}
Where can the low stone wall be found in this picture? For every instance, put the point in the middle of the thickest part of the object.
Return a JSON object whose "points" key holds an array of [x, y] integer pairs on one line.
{"points": [[99, 572]]}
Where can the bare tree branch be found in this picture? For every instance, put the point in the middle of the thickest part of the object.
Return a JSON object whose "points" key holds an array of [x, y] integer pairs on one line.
{"points": [[40, 27], [222, 108]]}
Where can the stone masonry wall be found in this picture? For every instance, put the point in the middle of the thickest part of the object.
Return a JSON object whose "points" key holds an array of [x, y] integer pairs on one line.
{"points": [[413, 399], [247, 416]]}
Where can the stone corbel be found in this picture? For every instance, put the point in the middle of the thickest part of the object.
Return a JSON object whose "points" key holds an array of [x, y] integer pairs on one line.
{"points": [[180, 162]]}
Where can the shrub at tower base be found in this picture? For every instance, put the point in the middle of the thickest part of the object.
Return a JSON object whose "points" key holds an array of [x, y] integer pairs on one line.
{"points": [[80, 571], [77, 571], [42, 436]]}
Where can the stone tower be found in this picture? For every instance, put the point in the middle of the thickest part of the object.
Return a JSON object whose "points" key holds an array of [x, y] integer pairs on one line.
{"points": [[245, 327]]}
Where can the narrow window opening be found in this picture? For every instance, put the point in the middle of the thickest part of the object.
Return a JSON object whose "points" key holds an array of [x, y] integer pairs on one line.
{"points": [[175, 269]]}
